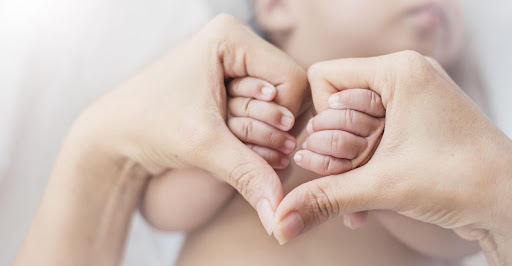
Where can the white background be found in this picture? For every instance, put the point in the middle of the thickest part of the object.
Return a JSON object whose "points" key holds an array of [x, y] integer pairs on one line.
{"points": [[57, 56]]}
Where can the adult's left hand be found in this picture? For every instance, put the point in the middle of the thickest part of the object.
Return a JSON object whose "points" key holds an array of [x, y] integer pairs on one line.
{"points": [[440, 159]]}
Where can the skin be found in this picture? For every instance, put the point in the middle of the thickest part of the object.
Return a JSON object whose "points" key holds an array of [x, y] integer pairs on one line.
{"points": [[98, 177], [150, 124], [428, 119], [299, 28]]}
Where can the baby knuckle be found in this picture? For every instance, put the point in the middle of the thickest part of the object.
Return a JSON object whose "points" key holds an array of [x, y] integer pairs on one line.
{"points": [[273, 138], [235, 85], [349, 117], [247, 129], [327, 164], [246, 106], [336, 144]]}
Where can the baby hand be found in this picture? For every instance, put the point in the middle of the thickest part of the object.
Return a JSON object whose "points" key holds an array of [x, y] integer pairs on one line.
{"points": [[259, 122], [345, 136]]}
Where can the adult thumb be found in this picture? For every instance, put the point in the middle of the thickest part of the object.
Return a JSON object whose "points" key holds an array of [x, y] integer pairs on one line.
{"points": [[248, 173], [316, 201]]}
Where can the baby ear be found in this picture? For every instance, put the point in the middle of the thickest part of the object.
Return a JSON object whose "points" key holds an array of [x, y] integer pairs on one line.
{"points": [[275, 17]]}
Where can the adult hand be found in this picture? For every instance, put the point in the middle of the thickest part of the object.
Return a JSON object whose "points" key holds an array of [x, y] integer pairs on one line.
{"points": [[440, 159], [170, 115], [173, 114]]}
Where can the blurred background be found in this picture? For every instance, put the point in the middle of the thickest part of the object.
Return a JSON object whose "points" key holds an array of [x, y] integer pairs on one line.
{"points": [[58, 56]]}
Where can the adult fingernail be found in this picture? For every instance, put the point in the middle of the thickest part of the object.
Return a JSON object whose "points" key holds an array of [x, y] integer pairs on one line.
{"points": [[286, 122], [297, 158], [266, 214], [267, 91], [289, 145], [334, 100], [289, 227], [347, 222]]}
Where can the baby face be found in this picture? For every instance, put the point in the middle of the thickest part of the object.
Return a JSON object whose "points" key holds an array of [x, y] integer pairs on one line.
{"points": [[328, 29]]}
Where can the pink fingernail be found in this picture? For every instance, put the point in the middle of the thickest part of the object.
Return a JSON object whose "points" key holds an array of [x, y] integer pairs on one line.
{"points": [[284, 162], [266, 215], [334, 100], [290, 227], [286, 121], [289, 145], [267, 91]]}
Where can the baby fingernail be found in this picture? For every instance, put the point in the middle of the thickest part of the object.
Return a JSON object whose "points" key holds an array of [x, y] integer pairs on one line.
{"points": [[334, 100], [286, 121], [309, 127], [297, 158], [290, 227], [289, 145], [266, 215], [267, 91], [284, 162], [305, 145]]}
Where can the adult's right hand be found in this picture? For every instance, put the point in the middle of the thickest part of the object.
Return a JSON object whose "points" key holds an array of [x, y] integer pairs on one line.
{"points": [[170, 115], [440, 159]]}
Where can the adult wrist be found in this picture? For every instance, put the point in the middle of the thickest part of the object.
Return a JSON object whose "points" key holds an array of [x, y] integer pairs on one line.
{"points": [[497, 241], [86, 210]]}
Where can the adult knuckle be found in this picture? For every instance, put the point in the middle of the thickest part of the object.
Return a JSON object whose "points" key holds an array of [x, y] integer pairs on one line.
{"points": [[223, 20], [242, 179], [322, 204], [414, 60]]}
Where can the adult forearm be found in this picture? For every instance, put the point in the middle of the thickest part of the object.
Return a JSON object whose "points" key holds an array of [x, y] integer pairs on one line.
{"points": [[86, 210]]}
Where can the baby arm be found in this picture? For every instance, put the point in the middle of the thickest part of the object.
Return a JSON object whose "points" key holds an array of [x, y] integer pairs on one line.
{"points": [[345, 137], [185, 199]]}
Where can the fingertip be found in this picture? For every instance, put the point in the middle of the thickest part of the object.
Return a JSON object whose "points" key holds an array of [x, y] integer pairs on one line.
{"points": [[285, 162], [309, 127], [305, 145], [298, 157], [268, 92], [266, 215], [334, 100], [287, 122], [288, 228]]}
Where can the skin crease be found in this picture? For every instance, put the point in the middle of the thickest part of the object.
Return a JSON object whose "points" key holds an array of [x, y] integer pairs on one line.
{"points": [[108, 156], [432, 163], [300, 28], [148, 125]]}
